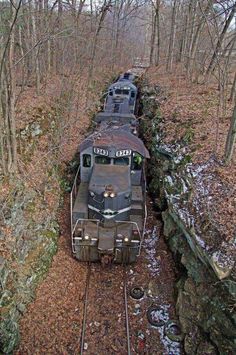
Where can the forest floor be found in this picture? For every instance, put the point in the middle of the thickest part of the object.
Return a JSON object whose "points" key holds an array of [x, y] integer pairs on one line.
{"points": [[190, 112]]}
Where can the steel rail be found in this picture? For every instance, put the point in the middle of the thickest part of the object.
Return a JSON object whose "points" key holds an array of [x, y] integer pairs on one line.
{"points": [[126, 314], [85, 310]]}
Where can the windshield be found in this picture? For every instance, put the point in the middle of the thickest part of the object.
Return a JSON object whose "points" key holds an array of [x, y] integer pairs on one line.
{"points": [[102, 160], [121, 161], [121, 92]]}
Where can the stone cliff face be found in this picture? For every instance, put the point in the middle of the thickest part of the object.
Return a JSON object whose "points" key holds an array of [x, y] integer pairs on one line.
{"points": [[206, 289], [29, 228]]}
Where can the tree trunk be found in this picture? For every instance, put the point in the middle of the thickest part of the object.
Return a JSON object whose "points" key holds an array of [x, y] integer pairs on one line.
{"points": [[158, 33], [182, 51], [212, 63], [196, 36], [233, 89], [36, 50], [12, 94], [192, 19], [170, 58], [104, 9], [229, 147], [153, 35]]}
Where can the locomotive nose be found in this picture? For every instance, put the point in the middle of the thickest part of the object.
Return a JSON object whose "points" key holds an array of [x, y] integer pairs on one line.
{"points": [[110, 186]]}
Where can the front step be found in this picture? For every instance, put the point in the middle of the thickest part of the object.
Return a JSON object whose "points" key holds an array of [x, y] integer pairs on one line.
{"points": [[137, 194], [136, 209]]}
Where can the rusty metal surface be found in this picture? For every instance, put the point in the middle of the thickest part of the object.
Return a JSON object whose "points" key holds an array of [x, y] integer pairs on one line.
{"points": [[117, 138]]}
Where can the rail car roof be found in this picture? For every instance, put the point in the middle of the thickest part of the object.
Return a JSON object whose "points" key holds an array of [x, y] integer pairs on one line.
{"points": [[117, 138]]}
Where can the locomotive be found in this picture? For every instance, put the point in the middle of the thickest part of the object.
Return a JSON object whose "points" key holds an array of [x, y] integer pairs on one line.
{"points": [[108, 209], [122, 95]]}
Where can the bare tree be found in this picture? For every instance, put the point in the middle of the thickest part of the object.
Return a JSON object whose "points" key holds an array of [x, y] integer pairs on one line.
{"points": [[221, 37], [170, 56], [229, 147]]}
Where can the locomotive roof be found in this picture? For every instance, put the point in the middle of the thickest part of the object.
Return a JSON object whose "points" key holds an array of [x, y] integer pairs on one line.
{"points": [[113, 116], [116, 175], [123, 83], [117, 138]]}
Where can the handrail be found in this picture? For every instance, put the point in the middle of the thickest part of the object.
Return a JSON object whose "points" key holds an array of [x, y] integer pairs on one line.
{"points": [[74, 187], [76, 223], [130, 222], [145, 205], [73, 192]]}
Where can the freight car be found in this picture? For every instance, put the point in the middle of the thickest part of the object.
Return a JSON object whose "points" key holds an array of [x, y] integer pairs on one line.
{"points": [[108, 209]]}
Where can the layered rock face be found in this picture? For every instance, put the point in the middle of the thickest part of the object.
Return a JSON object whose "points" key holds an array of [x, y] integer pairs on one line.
{"points": [[206, 288], [29, 228]]}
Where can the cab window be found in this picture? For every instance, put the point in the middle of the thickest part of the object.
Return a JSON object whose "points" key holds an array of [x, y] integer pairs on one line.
{"points": [[137, 161], [132, 94], [121, 161], [102, 160], [86, 160]]}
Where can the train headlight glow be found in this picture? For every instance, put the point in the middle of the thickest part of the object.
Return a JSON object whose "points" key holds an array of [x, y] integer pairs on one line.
{"points": [[112, 194], [126, 239], [106, 194], [86, 237]]}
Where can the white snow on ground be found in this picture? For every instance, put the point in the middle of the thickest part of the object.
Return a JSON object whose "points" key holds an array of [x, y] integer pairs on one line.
{"points": [[202, 202], [171, 347], [150, 246]]}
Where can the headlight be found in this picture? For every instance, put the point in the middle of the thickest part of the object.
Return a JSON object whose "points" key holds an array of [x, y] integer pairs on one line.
{"points": [[91, 193], [86, 237], [112, 194], [106, 194], [126, 239]]}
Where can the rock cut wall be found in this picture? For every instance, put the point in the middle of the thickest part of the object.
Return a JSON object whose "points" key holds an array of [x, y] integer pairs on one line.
{"points": [[206, 289]]}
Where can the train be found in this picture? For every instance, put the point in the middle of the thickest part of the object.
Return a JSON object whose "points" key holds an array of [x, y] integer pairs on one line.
{"points": [[108, 197]]}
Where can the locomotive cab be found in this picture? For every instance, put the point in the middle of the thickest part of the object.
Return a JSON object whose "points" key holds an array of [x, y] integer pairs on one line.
{"points": [[108, 202]]}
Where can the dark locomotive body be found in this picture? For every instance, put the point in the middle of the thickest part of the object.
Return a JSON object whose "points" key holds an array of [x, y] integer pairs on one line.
{"points": [[122, 96], [108, 197]]}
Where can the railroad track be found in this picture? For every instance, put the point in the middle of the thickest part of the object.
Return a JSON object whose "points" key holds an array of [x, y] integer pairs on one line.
{"points": [[87, 303], [82, 339]]}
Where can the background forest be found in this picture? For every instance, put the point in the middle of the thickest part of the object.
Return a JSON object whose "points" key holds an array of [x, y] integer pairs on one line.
{"points": [[41, 39]]}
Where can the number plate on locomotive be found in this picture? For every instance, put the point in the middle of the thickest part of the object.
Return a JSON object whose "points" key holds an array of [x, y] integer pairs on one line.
{"points": [[123, 153], [100, 151]]}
